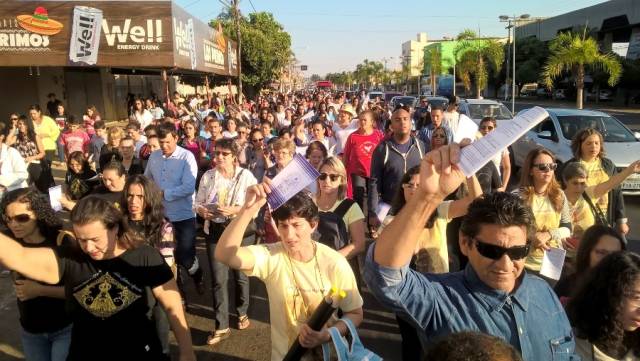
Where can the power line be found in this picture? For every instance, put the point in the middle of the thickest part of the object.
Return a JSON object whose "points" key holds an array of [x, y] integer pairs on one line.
{"points": [[254, 8]]}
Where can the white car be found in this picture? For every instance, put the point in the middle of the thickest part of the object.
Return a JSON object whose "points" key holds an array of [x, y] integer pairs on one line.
{"points": [[476, 109], [555, 134]]}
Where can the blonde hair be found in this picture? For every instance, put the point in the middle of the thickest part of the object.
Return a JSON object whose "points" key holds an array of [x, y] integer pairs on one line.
{"points": [[284, 144], [114, 133], [338, 167]]}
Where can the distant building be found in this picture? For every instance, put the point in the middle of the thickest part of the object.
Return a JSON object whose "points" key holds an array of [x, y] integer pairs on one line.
{"points": [[412, 53], [616, 23]]}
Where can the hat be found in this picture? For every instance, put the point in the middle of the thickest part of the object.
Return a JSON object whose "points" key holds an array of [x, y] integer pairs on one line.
{"points": [[349, 109], [39, 22]]}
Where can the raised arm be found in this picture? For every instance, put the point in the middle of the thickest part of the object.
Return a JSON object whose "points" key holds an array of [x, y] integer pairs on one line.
{"points": [[506, 171], [228, 250], [615, 180], [458, 208], [439, 176], [39, 264]]}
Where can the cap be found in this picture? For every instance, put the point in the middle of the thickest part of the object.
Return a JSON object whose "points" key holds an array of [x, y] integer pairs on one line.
{"points": [[349, 109]]}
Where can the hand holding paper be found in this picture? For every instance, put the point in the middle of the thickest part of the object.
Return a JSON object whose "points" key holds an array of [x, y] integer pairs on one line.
{"points": [[552, 263], [292, 179], [55, 194]]}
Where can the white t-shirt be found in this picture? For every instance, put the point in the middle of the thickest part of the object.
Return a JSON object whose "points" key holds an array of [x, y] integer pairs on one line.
{"points": [[341, 134], [497, 160], [144, 119]]}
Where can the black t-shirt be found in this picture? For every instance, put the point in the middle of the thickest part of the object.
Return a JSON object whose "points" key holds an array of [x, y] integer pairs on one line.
{"points": [[104, 193], [110, 303], [44, 314]]}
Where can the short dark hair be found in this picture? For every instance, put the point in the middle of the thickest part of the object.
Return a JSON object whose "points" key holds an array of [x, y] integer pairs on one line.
{"points": [[49, 224], [452, 100], [500, 208], [471, 346], [71, 120], [489, 119], [595, 306], [230, 144], [437, 107], [301, 205], [99, 124], [166, 129], [133, 125], [92, 208]]}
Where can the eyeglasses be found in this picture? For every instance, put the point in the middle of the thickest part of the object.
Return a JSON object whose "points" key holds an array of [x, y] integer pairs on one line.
{"points": [[20, 218], [545, 167], [257, 139], [224, 154], [333, 177], [494, 252], [439, 135], [487, 127], [410, 185]]}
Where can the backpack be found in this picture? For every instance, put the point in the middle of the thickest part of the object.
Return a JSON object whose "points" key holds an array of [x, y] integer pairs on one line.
{"points": [[331, 227]]}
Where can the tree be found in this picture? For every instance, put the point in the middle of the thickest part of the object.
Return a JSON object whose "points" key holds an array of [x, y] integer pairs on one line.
{"points": [[574, 53], [475, 58], [531, 54], [315, 77], [266, 47], [433, 66]]}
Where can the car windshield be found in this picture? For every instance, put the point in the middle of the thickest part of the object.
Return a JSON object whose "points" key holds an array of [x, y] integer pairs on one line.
{"points": [[498, 111], [408, 101], [439, 102], [612, 130]]}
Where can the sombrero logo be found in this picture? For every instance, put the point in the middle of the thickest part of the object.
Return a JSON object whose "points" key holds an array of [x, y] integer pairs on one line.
{"points": [[28, 32], [39, 22]]}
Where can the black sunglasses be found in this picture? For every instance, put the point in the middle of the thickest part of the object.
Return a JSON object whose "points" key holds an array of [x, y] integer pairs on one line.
{"points": [[333, 177], [545, 167], [257, 139], [496, 252], [20, 218]]}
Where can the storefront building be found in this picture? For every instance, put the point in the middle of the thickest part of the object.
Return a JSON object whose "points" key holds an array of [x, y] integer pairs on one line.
{"points": [[97, 52]]}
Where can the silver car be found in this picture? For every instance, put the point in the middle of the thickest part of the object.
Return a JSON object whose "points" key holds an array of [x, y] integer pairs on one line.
{"points": [[555, 134], [476, 109]]}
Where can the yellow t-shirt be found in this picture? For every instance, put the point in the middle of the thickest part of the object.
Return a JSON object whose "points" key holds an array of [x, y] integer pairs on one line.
{"points": [[547, 218], [581, 215], [313, 280], [432, 253], [49, 131], [353, 214], [596, 175]]}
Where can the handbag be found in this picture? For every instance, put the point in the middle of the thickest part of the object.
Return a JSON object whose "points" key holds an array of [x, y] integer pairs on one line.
{"points": [[357, 351], [597, 212]]}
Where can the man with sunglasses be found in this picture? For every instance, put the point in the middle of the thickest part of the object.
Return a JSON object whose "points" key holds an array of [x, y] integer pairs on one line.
{"points": [[493, 294]]}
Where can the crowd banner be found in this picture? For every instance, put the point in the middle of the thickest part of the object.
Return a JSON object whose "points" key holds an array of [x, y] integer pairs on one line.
{"points": [[85, 35]]}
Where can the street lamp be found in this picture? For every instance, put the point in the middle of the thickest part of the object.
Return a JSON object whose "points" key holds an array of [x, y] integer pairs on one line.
{"points": [[513, 22]]}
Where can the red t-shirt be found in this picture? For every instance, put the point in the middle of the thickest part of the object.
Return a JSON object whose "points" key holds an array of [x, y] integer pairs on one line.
{"points": [[77, 141], [358, 151]]}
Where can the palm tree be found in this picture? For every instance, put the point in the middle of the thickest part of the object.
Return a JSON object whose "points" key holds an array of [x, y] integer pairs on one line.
{"points": [[574, 52], [475, 58], [433, 64]]}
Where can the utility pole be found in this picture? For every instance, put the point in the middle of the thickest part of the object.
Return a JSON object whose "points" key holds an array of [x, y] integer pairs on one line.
{"points": [[513, 22], [236, 14]]}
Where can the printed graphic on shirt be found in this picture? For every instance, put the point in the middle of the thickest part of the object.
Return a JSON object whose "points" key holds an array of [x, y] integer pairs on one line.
{"points": [[105, 294]]}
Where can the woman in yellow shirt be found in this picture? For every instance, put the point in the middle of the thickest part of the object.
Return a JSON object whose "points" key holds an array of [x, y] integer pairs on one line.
{"points": [[539, 188], [588, 149], [47, 129]]}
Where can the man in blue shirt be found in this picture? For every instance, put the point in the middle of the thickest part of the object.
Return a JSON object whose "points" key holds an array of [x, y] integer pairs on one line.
{"points": [[174, 170], [493, 294], [426, 132]]}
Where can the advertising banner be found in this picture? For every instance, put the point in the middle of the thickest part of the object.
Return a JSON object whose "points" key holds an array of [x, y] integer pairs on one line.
{"points": [[85, 35]]}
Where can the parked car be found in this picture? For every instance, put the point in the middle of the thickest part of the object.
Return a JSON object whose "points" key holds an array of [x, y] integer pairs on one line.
{"points": [[404, 100], [528, 90], [543, 93], [437, 101], [555, 134], [390, 95], [373, 94], [604, 95], [476, 109]]}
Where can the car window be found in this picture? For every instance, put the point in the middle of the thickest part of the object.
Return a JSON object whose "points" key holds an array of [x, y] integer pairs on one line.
{"points": [[546, 126], [612, 130], [479, 111]]}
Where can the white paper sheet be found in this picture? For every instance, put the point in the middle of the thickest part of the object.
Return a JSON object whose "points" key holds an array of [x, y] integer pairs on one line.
{"points": [[292, 179], [552, 263], [55, 193], [480, 152], [383, 210]]}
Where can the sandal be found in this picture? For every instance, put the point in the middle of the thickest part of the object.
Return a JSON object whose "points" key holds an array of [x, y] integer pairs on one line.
{"points": [[243, 322], [218, 336]]}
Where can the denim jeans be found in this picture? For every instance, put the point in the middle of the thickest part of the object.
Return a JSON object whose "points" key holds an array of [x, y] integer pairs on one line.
{"points": [[60, 149], [359, 186], [185, 238], [52, 346], [220, 278]]}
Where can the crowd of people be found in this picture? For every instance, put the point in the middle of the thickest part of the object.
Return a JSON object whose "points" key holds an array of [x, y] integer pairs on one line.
{"points": [[456, 259]]}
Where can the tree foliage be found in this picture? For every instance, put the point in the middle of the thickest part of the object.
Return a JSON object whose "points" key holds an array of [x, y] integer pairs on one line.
{"points": [[476, 58], [531, 54], [266, 46], [433, 66], [574, 53]]}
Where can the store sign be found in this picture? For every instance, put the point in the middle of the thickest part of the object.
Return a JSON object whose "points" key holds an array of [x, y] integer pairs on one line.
{"points": [[213, 56], [184, 37], [28, 32], [124, 36], [85, 35]]}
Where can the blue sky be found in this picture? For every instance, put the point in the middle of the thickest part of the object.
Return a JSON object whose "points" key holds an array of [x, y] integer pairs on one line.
{"points": [[331, 35]]}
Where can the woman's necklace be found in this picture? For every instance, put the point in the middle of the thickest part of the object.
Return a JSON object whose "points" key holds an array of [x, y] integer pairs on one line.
{"points": [[317, 273]]}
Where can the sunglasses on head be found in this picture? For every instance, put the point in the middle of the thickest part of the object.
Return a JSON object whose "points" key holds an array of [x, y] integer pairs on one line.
{"points": [[333, 177], [20, 218], [494, 252], [545, 167]]}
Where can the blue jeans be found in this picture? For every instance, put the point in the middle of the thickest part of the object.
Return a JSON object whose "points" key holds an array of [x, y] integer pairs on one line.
{"points": [[52, 346], [185, 237], [60, 148]]}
